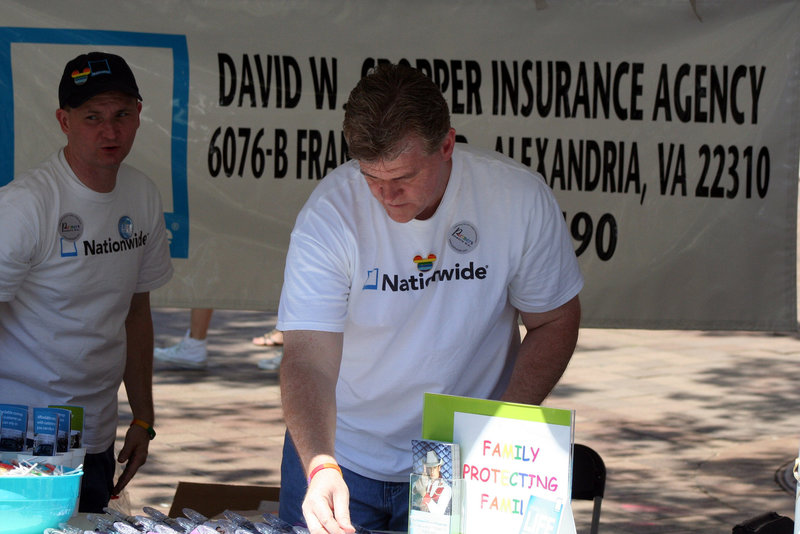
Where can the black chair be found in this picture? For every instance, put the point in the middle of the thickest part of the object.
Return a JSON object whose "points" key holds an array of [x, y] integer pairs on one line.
{"points": [[588, 479], [768, 523]]}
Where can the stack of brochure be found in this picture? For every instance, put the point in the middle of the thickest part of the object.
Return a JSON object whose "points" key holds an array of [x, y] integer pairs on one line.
{"points": [[57, 433]]}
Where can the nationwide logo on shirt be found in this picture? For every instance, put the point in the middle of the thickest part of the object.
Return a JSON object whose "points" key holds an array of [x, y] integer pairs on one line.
{"points": [[129, 240], [419, 281], [95, 248]]}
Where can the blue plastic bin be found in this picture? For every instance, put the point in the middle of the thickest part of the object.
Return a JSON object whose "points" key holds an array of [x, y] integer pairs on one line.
{"points": [[30, 504]]}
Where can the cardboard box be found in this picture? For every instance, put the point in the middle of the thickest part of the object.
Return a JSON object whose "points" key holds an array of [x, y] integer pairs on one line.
{"points": [[213, 499]]}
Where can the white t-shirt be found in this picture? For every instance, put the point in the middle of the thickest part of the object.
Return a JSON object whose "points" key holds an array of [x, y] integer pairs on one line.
{"points": [[425, 306], [70, 261]]}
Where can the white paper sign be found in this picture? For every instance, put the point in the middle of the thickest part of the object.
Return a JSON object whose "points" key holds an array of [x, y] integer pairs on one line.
{"points": [[502, 471]]}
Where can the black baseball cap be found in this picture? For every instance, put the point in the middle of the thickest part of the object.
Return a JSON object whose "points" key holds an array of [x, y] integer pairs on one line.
{"points": [[91, 74]]}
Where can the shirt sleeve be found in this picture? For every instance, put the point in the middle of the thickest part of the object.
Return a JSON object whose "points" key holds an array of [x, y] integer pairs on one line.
{"points": [[549, 275], [156, 269], [18, 240], [318, 273]]}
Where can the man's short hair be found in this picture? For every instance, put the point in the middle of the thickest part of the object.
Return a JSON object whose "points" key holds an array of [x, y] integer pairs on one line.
{"points": [[389, 103]]}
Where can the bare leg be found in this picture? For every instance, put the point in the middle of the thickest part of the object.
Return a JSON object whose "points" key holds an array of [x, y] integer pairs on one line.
{"points": [[199, 321], [191, 351]]}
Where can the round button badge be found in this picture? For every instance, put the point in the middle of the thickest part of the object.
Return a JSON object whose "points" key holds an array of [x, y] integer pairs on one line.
{"points": [[463, 237], [70, 227]]}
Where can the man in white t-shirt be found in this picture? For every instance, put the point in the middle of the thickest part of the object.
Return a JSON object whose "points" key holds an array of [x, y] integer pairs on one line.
{"points": [[82, 246], [407, 272]]}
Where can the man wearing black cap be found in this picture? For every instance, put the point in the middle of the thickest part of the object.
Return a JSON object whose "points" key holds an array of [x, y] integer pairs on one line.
{"points": [[82, 244]]}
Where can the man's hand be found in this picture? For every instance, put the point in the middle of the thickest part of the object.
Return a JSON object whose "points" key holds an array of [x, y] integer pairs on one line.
{"points": [[326, 506], [138, 380], [133, 455], [309, 371]]}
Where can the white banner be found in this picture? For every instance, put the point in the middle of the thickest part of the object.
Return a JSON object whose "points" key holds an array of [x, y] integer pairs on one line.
{"points": [[669, 134]]}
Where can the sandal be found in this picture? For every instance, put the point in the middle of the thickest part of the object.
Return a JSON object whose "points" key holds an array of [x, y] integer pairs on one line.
{"points": [[273, 338]]}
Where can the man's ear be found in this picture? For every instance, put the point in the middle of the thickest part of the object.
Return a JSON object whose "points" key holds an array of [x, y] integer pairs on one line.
{"points": [[63, 120], [448, 144]]}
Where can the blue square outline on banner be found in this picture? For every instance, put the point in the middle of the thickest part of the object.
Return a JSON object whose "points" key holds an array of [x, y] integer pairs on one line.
{"points": [[177, 221]]}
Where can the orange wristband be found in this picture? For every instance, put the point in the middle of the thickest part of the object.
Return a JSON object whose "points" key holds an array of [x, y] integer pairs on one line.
{"points": [[320, 467], [146, 426]]}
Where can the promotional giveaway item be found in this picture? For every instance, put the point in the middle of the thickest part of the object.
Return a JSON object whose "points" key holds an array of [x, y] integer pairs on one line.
{"points": [[192, 522]]}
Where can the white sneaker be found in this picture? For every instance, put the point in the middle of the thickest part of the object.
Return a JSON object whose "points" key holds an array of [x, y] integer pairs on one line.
{"points": [[271, 364], [191, 353]]}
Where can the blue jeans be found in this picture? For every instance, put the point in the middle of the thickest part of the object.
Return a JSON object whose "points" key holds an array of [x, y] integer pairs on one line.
{"points": [[374, 504]]}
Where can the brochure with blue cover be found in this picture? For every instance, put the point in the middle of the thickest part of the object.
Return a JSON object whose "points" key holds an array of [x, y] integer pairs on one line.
{"points": [[13, 427], [45, 431], [76, 425], [64, 425]]}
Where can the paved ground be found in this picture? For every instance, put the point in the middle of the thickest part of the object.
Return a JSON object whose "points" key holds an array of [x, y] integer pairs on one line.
{"points": [[696, 428]]}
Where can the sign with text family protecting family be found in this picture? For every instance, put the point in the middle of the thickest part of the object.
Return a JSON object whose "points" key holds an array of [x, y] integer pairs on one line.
{"points": [[516, 462]]}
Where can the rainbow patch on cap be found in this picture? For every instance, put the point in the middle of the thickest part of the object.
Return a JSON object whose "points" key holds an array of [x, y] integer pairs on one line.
{"points": [[425, 264], [79, 77]]}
